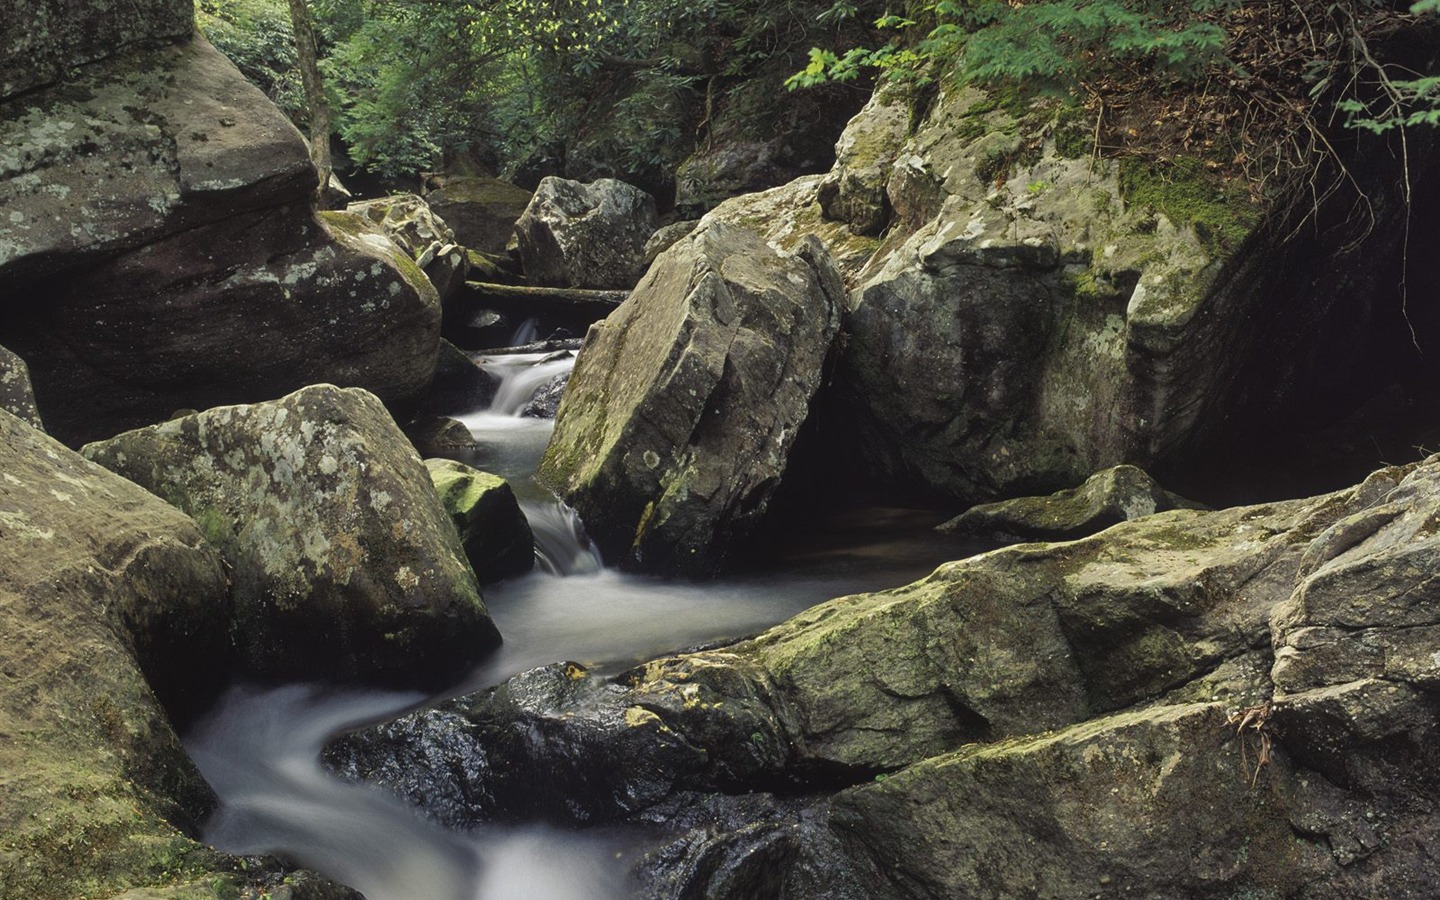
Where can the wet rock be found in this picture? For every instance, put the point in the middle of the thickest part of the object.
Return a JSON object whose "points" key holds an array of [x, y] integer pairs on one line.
{"points": [[481, 210], [200, 274], [17, 397], [1118, 494], [586, 235], [684, 403], [343, 561], [105, 587], [545, 404], [409, 221], [486, 515], [439, 435], [460, 386]]}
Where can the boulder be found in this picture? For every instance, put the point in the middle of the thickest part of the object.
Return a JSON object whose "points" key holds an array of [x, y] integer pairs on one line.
{"points": [[788, 214], [115, 611], [408, 221], [17, 397], [1112, 495], [1112, 705], [437, 435], [492, 528], [586, 235], [545, 402], [343, 560], [854, 190], [481, 210], [460, 385], [56, 40], [666, 236], [684, 403], [200, 274]]}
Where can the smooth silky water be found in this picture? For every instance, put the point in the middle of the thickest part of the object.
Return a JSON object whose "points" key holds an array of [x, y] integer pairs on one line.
{"points": [[260, 748]]}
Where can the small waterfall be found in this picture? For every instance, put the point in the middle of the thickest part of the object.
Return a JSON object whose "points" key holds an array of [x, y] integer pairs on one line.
{"points": [[561, 545], [521, 376]]}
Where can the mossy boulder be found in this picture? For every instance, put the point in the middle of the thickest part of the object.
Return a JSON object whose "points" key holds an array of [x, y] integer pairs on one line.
{"points": [[343, 559], [161, 187], [410, 222], [17, 397], [481, 210], [586, 235], [492, 528], [854, 190], [115, 613], [1117, 494], [56, 40], [683, 405]]}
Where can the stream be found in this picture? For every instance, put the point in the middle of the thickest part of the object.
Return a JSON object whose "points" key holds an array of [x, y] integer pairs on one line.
{"points": [[260, 747]]}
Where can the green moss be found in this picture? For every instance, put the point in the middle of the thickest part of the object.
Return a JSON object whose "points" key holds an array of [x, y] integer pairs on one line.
{"points": [[1186, 193]]}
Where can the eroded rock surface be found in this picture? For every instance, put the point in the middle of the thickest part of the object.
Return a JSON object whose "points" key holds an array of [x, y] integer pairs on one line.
{"points": [[1113, 495], [199, 275], [343, 559], [1190, 704], [111, 601], [410, 222], [586, 235], [684, 403], [17, 397]]}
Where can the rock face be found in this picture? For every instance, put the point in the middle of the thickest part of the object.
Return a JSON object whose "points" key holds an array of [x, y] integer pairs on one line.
{"points": [[684, 403], [343, 561], [408, 221], [496, 537], [1114, 495], [482, 211], [103, 587], [1190, 704], [17, 397], [586, 235], [200, 274], [854, 191], [55, 40]]}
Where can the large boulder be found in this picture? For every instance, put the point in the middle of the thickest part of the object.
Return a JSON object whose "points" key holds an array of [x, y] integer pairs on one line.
{"points": [[492, 528], [1033, 315], [56, 40], [586, 235], [17, 397], [410, 222], [1112, 495], [481, 210], [199, 274], [683, 405], [344, 562], [1112, 705], [114, 608]]}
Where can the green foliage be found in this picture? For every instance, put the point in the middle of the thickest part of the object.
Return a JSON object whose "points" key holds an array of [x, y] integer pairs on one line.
{"points": [[1056, 43], [256, 36], [1403, 102]]}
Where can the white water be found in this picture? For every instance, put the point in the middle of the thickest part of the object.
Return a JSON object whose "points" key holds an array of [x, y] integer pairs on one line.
{"points": [[260, 749]]}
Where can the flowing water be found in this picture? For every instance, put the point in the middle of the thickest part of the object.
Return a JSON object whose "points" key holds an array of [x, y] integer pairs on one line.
{"points": [[260, 748]]}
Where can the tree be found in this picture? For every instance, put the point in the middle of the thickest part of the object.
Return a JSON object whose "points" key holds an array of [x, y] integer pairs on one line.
{"points": [[307, 58]]}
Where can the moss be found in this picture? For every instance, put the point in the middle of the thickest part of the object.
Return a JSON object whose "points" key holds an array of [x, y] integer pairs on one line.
{"points": [[1185, 192], [1074, 138]]}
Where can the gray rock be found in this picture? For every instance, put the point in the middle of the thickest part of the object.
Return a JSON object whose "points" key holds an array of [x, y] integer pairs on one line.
{"points": [[105, 587], [492, 528], [409, 221], [200, 273], [437, 435], [1113, 495], [684, 403], [854, 191], [56, 40], [666, 236], [343, 559], [17, 397], [545, 403], [586, 235], [481, 210]]}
